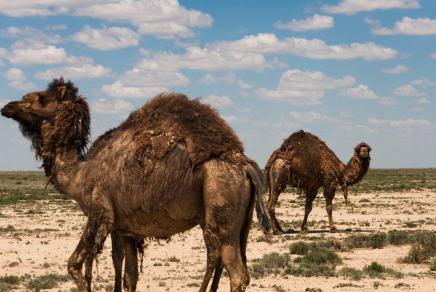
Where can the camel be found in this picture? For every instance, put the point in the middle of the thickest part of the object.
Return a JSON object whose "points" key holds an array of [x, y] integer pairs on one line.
{"points": [[305, 162], [172, 165]]}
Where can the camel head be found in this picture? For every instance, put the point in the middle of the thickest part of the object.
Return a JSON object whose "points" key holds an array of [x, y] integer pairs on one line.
{"points": [[52, 118], [362, 150]]}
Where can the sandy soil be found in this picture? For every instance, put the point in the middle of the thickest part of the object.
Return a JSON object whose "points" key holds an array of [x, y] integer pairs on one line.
{"points": [[37, 239]]}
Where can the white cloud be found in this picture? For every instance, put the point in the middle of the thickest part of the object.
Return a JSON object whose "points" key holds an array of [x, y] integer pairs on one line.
{"points": [[316, 22], [433, 56], [303, 88], [208, 79], [268, 43], [163, 19], [311, 117], [31, 35], [408, 90], [423, 82], [423, 100], [359, 92], [107, 39], [367, 129], [18, 80], [20, 8], [56, 27], [230, 119], [103, 106], [352, 7], [409, 26], [47, 55], [143, 77], [399, 69], [407, 125], [243, 85], [387, 101], [3, 54], [142, 83], [120, 90], [75, 72], [218, 101], [196, 58]]}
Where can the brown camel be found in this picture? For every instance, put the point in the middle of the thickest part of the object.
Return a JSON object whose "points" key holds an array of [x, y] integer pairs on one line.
{"points": [[305, 162], [172, 165]]}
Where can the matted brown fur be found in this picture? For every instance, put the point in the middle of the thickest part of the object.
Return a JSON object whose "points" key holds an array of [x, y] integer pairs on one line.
{"points": [[304, 161], [173, 118]]}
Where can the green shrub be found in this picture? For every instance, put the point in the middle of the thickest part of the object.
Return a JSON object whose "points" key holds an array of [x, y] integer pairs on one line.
{"points": [[376, 240], [422, 250], [12, 280], [322, 256], [272, 263], [299, 247], [376, 270], [317, 262], [46, 282], [433, 266], [351, 273], [399, 237]]}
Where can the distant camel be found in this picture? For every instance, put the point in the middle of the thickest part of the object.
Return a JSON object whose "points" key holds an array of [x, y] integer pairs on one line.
{"points": [[305, 162], [172, 165]]}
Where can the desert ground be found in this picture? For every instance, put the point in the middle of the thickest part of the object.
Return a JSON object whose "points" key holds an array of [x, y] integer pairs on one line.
{"points": [[38, 236]]}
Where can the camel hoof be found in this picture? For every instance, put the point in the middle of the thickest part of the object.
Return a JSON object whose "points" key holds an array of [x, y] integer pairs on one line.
{"points": [[334, 230], [277, 232]]}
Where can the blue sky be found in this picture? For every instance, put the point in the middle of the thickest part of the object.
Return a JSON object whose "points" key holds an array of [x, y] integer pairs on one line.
{"points": [[346, 70]]}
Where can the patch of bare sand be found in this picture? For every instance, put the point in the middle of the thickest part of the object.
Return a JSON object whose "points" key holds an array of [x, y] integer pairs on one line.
{"points": [[38, 239]]}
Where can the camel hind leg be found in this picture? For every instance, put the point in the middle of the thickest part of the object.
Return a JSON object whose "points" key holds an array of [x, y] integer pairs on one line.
{"points": [[228, 203], [244, 239]]}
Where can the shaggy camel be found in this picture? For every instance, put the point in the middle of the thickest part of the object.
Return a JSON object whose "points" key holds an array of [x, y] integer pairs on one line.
{"points": [[172, 165], [305, 162]]}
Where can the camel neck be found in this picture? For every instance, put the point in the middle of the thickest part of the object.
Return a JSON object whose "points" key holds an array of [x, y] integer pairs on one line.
{"points": [[64, 175], [355, 170]]}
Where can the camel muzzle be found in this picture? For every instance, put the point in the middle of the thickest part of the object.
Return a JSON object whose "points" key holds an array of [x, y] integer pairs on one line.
{"points": [[9, 109]]}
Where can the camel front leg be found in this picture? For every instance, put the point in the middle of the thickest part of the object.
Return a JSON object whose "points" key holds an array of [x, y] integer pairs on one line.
{"points": [[272, 202], [310, 196], [329, 195], [89, 245], [117, 259], [131, 266], [89, 261]]}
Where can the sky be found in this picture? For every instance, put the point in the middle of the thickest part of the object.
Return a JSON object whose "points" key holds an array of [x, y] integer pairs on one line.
{"points": [[345, 70]]}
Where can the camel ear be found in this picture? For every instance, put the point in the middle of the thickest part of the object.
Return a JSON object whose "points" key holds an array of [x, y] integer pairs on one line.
{"points": [[61, 91]]}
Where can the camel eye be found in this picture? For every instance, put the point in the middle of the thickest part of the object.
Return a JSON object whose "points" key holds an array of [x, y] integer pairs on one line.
{"points": [[42, 99]]}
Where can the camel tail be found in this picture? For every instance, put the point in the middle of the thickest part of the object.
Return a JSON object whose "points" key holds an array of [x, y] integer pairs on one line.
{"points": [[260, 188]]}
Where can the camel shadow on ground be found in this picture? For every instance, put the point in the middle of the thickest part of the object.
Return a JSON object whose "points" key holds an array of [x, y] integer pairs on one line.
{"points": [[348, 230]]}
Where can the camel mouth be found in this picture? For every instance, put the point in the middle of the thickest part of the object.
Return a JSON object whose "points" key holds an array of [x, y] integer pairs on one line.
{"points": [[9, 109], [364, 153]]}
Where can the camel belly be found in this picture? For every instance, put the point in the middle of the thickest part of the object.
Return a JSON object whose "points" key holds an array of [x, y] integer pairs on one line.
{"points": [[158, 224]]}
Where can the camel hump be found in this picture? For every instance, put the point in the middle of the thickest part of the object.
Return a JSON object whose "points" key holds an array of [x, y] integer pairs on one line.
{"points": [[172, 118]]}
